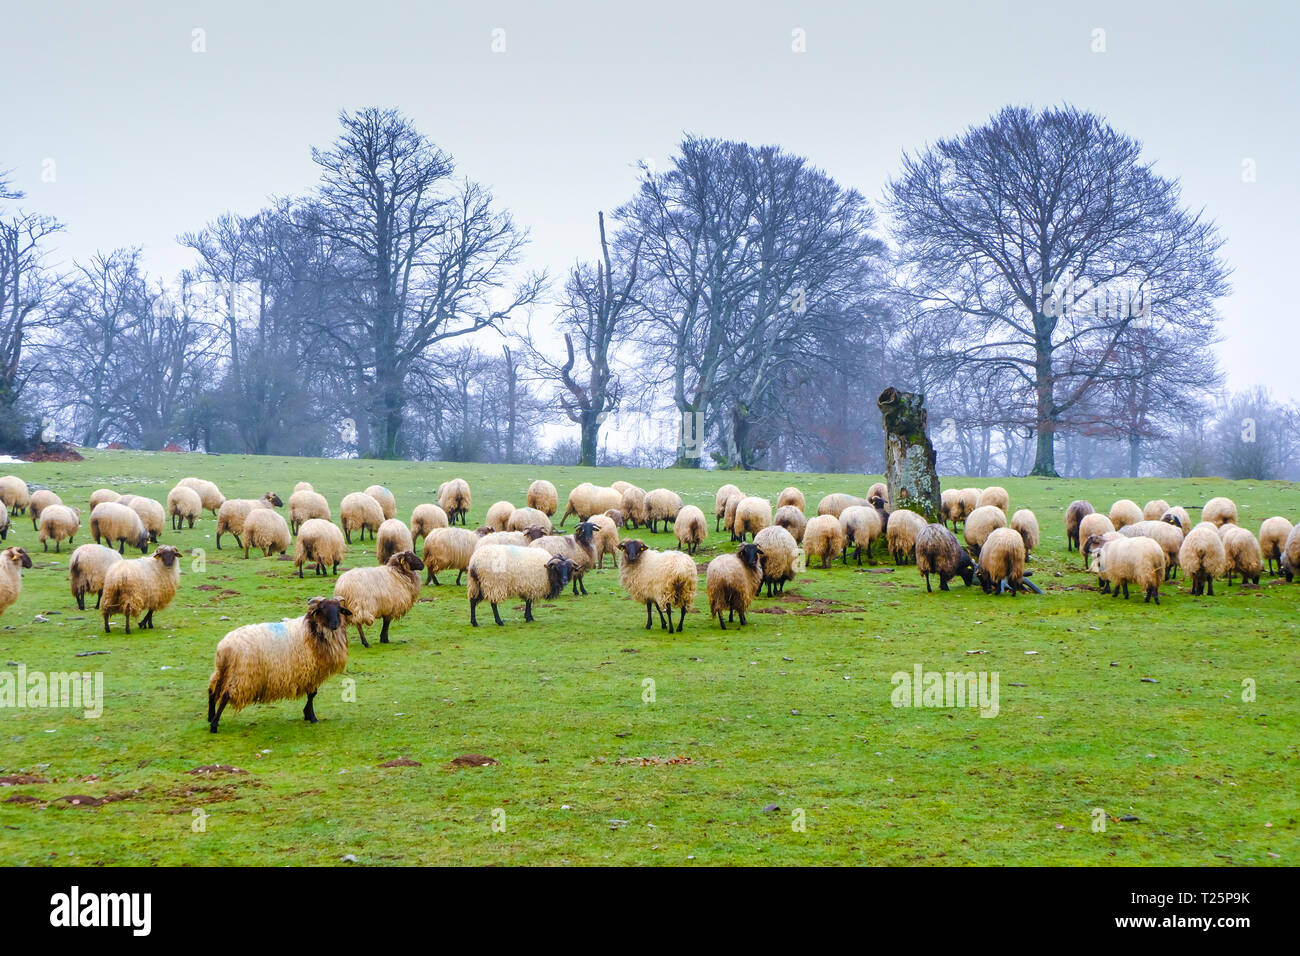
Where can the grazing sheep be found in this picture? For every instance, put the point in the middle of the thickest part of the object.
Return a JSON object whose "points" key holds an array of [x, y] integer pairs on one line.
{"points": [[1154, 510], [209, 493], [607, 526], [359, 512], [1168, 536], [41, 499], [577, 547], [524, 518], [14, 494], [1131, 560], [543, 496], [901, 534], [1094, 523], [661, 579], [141, 586], [116, 522], [320, 543], [621, 486], [752, 516], [1202, 558], [425, 518], [1074, 515], [1094, 543], [780, 557], [151, 514], [834, 504], [60, 523], [663, 505], [306, 504], [1179, 516], [792, 519], [448, 549], [939, 552], [614, 515], [393, 538], [791, 496], [235, 511], [861, 526], [980, 524], [824, 538], [729, 513], [454, 498], [732, 581], [1272, 540], [994, 495], [1290, 560], [12, 561], [1002, 560], [515, 539], [1026, 524], [183, 504], [1220, 511], [588, 499], [633, 506], [386, 592], [266, 529], [387, 503], [498, 515], [720, 503], [301, 486], [4, 521], [86, 570], [952, 503], [690, 528], [499, 572], [280, 660], [1125, 511], [100, 495], [1242, 555], [879, 490]]}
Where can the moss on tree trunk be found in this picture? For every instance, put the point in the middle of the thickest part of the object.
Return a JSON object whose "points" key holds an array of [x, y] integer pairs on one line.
{"points": [[909, 456]]}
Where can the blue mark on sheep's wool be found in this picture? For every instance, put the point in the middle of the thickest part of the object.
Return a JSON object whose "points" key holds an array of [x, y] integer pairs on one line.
{"points": [[278, 630]]}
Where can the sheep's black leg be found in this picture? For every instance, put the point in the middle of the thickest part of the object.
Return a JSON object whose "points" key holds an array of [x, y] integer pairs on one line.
{"points": [[147, 620], [661, 616], [212, 705], [1210, 582], [943, 583], [458, 577], [308, 712], [121, 547], [346, 534], [928, 589], [212, 725], [362, 634], [473, 603], [430, 578], [742, 618], [721, 623], [98, 597], [648, 615], [383, 634], [731, 614], [497, 614], [300, 571]]}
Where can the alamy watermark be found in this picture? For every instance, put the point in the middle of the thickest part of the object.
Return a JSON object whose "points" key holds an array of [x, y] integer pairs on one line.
{"points": [[38, 689], [922, 688]]}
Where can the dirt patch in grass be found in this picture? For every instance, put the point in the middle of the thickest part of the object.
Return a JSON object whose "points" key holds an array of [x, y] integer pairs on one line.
{"points": [[83, 800], [24, 798], [214, 793], [408, 762], [474, 760], [21, 778], [654, 761], [211, 768], [812, 606]]}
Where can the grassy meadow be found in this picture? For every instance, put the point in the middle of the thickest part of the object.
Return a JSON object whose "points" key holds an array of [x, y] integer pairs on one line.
{"points": [[775, 743]]}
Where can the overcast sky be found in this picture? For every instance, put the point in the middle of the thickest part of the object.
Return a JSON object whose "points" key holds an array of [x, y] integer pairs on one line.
{"points": [[150, 139]]}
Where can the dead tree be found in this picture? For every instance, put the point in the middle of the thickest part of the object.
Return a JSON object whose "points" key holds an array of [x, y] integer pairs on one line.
{"points": [[909, 456]]}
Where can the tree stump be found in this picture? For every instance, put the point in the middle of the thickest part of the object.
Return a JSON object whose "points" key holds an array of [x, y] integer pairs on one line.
{"points": [[909, 456]]}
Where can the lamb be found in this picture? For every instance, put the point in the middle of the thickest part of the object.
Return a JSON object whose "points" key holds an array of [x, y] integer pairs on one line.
{"points": [[1125, 511], [752, 516], [879, 490], [359, 512], [385, 592], [209, 493], [661, 579], [1221, 511], [499, 514], [184, 504], [690, 528], [393, 538], [792, 519], [233, 512], [141, 586], [1290, 560], [524, 518], [100, 495], [780, 557], [1168, 536], [939, 552], [577, 547], [454, 498], [60, 523], [321, 543], [1178, 516], [588, 499], [606, 541], [543, 496], [1025, 522], [14, 494], [41, 499], [720, 503], [980, 525], [861, 526], [901, 534], [1094, 523], [732, 581], [633, 506], [266, 529], [1202, 558], [280, 660], [1154, 510], [824, 538], [425, 518], [306, 504], [1242, 555], [952, 503], [116, 522], [12, 561], [387, 503], [499, 572], [1074, 515], [86, 571], [663, 505], [448, 549], [996, 496], [151, 514], [1002, 560], [834, 504], [1272, 540], [791, 496], [1132, 560]]}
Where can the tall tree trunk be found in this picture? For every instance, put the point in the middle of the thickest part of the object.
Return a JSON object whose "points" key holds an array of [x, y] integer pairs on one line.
{"points": [[1045, 454], [590, 440], [909, 457]]}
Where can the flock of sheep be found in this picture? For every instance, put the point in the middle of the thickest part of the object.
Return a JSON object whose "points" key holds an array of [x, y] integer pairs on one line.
{"points": [[518, 554]]}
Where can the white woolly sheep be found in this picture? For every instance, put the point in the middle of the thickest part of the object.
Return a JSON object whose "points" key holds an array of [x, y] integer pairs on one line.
{"points": [[1074, 515], [994, 495], [183, 504], [1025, 523], [879, 490], [1125, 511], [1001, 560], [834, 504], [578, 547], [359, 512], [498, 515], [209, 493], [513, 539], [266, 529], [543, 496], [663, 505], [302, 486], [939, 552], [14, 494], [732, 581], [448, 549], [87, 568], [4, 521], [1202, 558], [141, 586], [12, 561], [1134, 560], [60, 523], [752, 516], [235, 511], [791, 496], [1168, 536], [952, 503], [521, 519], [1179, 516], [729, 513], [720, 503], [387, 503], [904, 526], [823, 538], [41, 498], [620, 486], [633, 506], [587, 499], [861, 525], [1272, 540], [690, 528], [1242, 555], [116, 522], [319, 543], [1290, 560], [1155, 509], [151, 514], [499, 572], [100, 495], [425, 518], [306, 504], [792, 519], [386, 592], [780, 557], [393, 538], [980, 524], [663, 580], [1094, 523], [606, 542], [454, 498], [1220, 511]]}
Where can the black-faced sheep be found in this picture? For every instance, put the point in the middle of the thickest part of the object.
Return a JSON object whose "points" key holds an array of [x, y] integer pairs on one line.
{"points": [[151, 514], [521, 519], [1132, 560], [1002, 561], [183, 504], [879, 490], [1168, 536], [386, 592], [1202, 558], [12, 561], [732, 581], [792, 519], [87, 569], [454, 499], [393, 538], [60, 523], [112, 521], [1074, 515], [780, 557], [500, 572], [578, 547], [141, 586], [1179, 516], [939, 552], [1272, 541], [824, 538], [306, 504], [359, 512], [233, 512], [663, 580], [319, 543]]}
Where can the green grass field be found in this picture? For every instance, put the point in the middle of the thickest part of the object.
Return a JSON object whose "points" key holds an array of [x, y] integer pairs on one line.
{"points": [[1111, 704]]}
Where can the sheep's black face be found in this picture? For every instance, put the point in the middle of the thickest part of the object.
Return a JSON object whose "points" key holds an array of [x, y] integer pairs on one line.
{"points": [[142, 543], [986, 580], [483, 530], [407, 560], [558, 570], [274, 499], [20, 557], [750, 555], [168, 555], [328, 613], [633, 548], [1093, 543], [532, 534], [584, 532], [1171, 519], [876, 502], [966, 568]]}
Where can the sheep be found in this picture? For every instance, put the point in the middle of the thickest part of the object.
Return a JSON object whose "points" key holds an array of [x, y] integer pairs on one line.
{"points": [[1202, 558], [1220, 511], [499, 514], [454, 498], [517, 539], [524, 518], [690, 528], [1132, 560], [425, 518], [266, 529], [729, 512], [792, 519], [387, 503], [301, 486], [621, 486], [1272, 540], [953, 506], [879, 490], [1093, 523], [1154, 510], [901, 534], [732, 581], [320, 543], [41, 499], [116, 522], [1242, 555], [359, 512], [634, 508], [151, 514], [791, 496], [1026, 524], [720, 503], [183, 504], [448, 549], [1124, 511], [393, 538], [4, 521], [14, 494], [996, 496], [386, 592], [1179, 516], [661, 579], [1290, 560], [543, 496], [1092, 544], [1168, 536], [980, 524], [86, 571], [752, 516], [606, 541], [663, 505], [306, 504], [780, 558], [280, 660], [233, 512], [939, 552], [1002, 560], [100, 495], [498, 572], [58, 522], [12, 561], [141, 586], [577, 547], [209, 493], [1074, 514], [834, 504], [861, 526], [588, 499], [824, 538]]}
